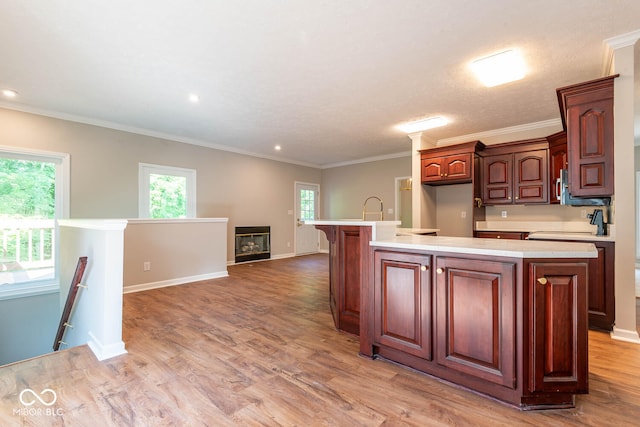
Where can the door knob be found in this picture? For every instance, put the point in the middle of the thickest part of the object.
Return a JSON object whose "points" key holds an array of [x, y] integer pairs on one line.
{"points": [[298, 223], [542, 280]]}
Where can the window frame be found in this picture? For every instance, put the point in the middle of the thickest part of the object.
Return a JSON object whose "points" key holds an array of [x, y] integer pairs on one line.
{"points": [[62, 202], [145, 170]]}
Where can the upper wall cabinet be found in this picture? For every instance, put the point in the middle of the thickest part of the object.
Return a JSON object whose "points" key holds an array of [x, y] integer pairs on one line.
{"points": [[453, 164], [557, 161], [587, 114], [516, 173]]}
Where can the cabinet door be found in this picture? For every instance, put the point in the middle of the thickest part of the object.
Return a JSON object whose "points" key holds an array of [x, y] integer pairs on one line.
{"points": [[458, 167], [432, 169], [557, 162], [590, 143], [601, 287], [476, 318], [497, 176], [558, 339], [531, 183], [402, 302]]}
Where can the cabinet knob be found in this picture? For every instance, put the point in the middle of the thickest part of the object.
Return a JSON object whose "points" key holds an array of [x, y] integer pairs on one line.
{"points": [[516, 197], [498, 236], [423, 268], [509, 198], [439, 271], [542, 280]]}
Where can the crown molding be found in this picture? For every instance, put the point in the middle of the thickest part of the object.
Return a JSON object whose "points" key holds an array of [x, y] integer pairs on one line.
{"points": [[368, 160], [146, 132], [613, 43], [501, 131]]}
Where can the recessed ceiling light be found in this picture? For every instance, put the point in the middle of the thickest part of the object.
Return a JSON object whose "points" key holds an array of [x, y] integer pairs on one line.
{"points": [[423, 124], [278, 148], [503, 67], [194, 97], [9, 93]]}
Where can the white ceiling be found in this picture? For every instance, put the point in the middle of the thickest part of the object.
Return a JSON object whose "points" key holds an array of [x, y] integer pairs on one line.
{"points": [[327, 80]]}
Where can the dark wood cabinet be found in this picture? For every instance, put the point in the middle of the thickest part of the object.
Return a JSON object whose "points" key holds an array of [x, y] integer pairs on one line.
{"points": [[402, 303], [511, 235], [452, 164], [557, 161], [448, 168], [511, 328], [587, 113], [601, 286], [476, 318], [347, 269], [558, 327], [602, 306], [516, 173], [497, 174], [531, 177]]}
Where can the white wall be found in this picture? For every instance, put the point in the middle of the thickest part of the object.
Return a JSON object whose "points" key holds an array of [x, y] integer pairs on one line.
{"points": [[179, 251], [104, 174], [97, 314]]}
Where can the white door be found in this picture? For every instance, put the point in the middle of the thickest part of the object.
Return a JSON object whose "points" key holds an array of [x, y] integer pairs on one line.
{"points": [[307, 240]]}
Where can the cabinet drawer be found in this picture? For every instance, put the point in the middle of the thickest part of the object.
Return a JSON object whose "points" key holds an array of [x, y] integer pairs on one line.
{"points": [[512, 235]]}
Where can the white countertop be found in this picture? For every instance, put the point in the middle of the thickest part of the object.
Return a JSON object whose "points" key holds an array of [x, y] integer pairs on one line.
{"points": [[379, 229], [556, 230], [493, 247], [585, 237], [349, 222], [411, 231]]}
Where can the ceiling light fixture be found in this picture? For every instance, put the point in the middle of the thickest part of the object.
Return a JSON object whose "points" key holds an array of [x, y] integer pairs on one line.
{"points": [[9, 93], [423, 124], [503, 67], [194, 98], [278, 148]]}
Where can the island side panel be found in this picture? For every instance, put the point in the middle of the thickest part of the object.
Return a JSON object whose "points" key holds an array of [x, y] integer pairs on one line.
{"points": [[334, 268]]}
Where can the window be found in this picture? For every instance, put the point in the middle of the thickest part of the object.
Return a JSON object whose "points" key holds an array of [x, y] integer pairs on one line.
{"points": [[166, 192], [307, 205], [33, 194]]}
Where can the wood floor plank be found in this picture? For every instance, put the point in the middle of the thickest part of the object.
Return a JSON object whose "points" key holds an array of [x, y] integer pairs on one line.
{"points": [[258, 348]]}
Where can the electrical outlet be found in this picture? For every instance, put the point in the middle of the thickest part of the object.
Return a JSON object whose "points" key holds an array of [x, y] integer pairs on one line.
{"points": [[463, 214], [146, 266], [503, 214], [390, 211], [583, 213], [288, 244]]}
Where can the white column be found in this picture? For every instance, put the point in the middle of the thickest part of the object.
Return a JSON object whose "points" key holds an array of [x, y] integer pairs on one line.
{"points": [[624, 208], [420, 200]]}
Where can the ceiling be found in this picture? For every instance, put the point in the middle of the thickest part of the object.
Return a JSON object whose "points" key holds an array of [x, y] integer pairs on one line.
{"points": [[326, 80]]}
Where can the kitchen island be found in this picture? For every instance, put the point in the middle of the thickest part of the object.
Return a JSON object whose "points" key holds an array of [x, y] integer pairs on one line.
{"points": [[349, 264], [504, 318]]}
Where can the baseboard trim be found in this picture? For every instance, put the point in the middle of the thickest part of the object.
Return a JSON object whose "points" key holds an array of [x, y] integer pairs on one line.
{"points": [[103, 352], [625, 335], [280, 256], [174, 282]]}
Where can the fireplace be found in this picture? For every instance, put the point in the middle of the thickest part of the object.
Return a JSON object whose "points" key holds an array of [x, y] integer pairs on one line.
{"points": [[253, 243]]}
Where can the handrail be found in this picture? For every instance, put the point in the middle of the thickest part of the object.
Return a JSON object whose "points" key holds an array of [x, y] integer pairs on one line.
{"points": [[68, 306]]}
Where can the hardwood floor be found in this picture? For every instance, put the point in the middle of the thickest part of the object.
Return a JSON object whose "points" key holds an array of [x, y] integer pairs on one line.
{"points": [[259, 348]]}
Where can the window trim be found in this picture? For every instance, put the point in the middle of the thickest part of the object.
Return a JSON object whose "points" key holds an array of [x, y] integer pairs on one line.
{"points": [[144, 172], [62, 203]]}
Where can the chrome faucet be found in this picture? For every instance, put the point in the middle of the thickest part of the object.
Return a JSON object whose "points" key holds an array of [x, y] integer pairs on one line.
{"points": [[597, 219], [364, 208]]}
